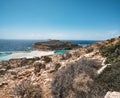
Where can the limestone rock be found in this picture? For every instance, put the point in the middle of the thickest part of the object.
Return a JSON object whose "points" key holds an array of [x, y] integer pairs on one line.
{"points": [[55, 67], [38, 66], [46, 59], [112, 95]]}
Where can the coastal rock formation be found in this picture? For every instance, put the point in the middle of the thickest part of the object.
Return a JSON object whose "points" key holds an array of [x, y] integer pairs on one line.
{"points": [[73, 75], [55, 45]]}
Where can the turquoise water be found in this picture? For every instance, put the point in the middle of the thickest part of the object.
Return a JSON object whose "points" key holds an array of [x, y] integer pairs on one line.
{"points": [[60, 52], [7, 47], [4, 54], [7, 56]]}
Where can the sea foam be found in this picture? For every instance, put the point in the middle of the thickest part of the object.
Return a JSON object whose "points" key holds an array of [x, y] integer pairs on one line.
{"points": [[26, 54]]}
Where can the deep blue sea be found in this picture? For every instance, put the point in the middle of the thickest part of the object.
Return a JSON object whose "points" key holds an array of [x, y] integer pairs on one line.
{"points": [[9, 46]]}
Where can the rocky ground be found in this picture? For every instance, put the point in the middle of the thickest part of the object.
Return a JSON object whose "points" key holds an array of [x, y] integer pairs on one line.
{"points": [[72, 75]]}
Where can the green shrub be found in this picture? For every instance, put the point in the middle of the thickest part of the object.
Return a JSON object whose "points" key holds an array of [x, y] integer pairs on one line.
{"points": [[108, 80], [112, 52]]}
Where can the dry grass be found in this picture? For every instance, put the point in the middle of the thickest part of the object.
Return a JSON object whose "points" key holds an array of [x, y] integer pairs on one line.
{"points": [[82, 83], [27, 90], [75, 78]]}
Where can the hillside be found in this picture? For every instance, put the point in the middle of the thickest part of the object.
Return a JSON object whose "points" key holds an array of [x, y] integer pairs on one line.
{"points": [[91, 72]]}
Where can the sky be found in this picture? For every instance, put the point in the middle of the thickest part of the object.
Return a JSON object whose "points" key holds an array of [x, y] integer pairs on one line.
{"points": [[59, 19]]}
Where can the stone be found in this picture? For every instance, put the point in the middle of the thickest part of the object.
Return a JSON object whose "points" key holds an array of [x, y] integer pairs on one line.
{"points": [[55, 67], [46, 59], [112, 94], [2, 71], [3, 83], [38, 66]]}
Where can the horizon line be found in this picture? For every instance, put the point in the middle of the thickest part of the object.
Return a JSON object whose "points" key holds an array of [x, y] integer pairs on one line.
{"points": [[58, 39]]}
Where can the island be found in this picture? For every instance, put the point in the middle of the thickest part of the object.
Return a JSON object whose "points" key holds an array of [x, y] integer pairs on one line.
{"points": [[55, 45]]}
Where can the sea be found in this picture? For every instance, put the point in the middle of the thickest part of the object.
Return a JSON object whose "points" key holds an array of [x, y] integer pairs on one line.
{"points": [[8, 47]]}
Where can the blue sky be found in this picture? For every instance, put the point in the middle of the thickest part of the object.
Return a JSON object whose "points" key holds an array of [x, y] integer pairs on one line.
{"points": [[59, 19]]}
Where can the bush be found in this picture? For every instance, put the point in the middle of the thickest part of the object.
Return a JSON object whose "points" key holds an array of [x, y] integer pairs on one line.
{"points": [[56, 66], [89, 49], [27, 90], [108, 80], [46, 59], [65, 79], [112, 53], [66, 56], [38, 66], [82, 82]]}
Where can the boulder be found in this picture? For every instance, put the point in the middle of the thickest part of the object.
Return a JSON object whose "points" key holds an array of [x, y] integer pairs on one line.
{"points": [[3, 83], [66, 56], [112, 95], [2, 71], [38, 66], [46, 59]]}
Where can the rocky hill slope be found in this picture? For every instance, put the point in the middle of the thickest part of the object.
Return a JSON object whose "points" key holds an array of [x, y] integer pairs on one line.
{"points": [[82, 73]]}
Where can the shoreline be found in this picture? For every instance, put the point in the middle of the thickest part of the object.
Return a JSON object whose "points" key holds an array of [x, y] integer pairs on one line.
{"points": [[24, 54]]}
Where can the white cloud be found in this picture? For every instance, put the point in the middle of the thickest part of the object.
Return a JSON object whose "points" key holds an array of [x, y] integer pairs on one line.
{"points": [[57, 34]]}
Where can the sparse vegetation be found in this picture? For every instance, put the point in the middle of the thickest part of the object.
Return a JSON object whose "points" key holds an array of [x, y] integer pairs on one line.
{"points": [[64, 81], [112, 52], [26, 89], [46, 59], [57, 66], [38, 66], [108, 80], [66, 56], [82, 83]]}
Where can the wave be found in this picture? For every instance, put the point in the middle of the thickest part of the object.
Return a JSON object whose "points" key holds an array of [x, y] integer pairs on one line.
{"points": [[26, 54]]}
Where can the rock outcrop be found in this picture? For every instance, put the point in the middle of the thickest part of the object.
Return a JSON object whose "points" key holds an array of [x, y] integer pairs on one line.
{"points": [[112, 95], [55, 45], [100, 45]]}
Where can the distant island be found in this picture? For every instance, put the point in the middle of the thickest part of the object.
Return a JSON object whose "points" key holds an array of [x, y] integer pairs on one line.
{"points": [[55, 45]]}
